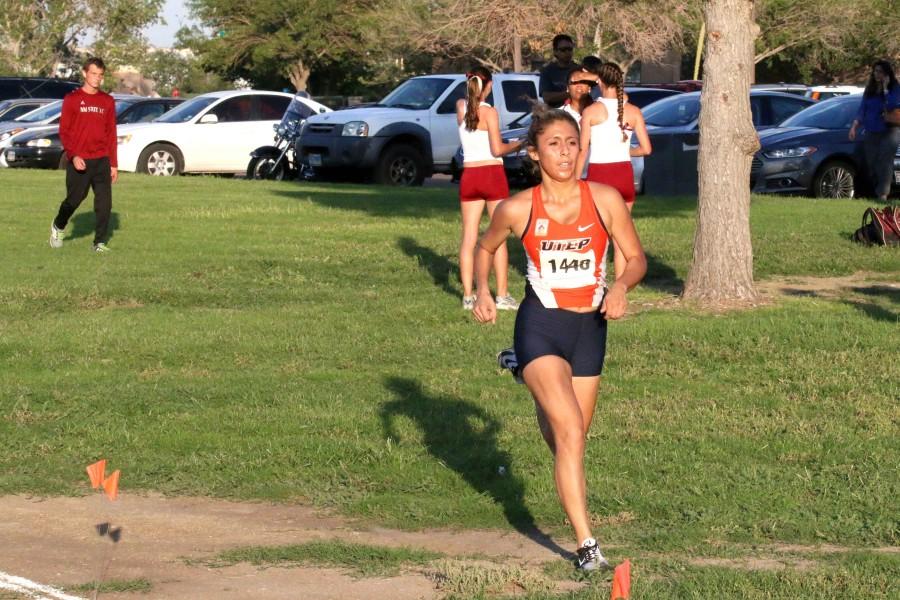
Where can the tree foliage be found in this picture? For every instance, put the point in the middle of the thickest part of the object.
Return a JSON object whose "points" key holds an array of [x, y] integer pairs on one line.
{"points": [[36, 35], [280, 39]]}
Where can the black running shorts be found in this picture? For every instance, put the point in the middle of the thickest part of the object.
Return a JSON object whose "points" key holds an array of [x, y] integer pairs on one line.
{"points": [[578, 338]]}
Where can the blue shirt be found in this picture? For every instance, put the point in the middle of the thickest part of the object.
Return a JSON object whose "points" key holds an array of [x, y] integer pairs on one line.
{"points": [[871, 109]]}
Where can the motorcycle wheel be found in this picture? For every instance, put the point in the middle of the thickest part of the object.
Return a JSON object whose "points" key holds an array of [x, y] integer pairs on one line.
{"points": [[265, 168]]}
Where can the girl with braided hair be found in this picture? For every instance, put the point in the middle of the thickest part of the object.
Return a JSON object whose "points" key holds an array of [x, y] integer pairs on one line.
{"points": [[606, 130], [483, 182]]}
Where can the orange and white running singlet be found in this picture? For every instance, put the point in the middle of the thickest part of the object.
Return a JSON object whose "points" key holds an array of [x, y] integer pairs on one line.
{"points": [[566, 263]]}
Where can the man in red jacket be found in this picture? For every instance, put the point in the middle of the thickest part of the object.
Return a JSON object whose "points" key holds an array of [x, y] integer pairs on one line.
{"points": [[87, 129]]}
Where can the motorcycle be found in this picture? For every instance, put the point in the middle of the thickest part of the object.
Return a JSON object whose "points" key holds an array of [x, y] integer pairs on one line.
{"points": [[277, 162]]}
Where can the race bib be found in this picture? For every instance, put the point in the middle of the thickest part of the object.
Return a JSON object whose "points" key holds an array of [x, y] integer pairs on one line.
{"points": [[565, 269]]}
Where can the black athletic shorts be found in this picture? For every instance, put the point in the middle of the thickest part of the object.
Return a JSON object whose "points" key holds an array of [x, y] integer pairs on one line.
{"points": [[578, 338]]}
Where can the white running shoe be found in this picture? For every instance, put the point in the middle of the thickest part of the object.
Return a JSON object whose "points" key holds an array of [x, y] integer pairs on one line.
{"points": [[469, 302], [507, 360], [590, 558], [507, 303], [101, 247], [56, 236]]}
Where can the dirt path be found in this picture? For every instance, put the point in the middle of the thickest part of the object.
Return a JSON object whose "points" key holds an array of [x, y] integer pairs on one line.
{"points": [[854, 288], [170, 541], [166, 540]]}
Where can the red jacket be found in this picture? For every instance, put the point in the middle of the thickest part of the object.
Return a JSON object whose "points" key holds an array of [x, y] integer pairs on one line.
{"points": [[87, 127]]}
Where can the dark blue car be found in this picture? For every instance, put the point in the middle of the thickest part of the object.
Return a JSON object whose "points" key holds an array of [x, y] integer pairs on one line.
{"points": [[811, 154]]}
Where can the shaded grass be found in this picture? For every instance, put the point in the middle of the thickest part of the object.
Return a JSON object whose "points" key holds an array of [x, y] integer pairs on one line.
{"points": [[360, 560], [304, 343]]}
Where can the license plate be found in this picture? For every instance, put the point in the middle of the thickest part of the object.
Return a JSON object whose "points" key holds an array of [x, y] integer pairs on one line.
{"points": [[897, 177], [315, 160], [10, 155]]}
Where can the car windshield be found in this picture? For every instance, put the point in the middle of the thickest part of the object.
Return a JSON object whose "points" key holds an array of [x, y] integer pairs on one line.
{"points": [[837, 113], [121, 105], [673, 112], [416, 94], [186, 111], [43, 113]]}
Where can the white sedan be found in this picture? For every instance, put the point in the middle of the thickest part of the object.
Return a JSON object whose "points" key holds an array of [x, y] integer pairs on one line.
{"points": [[212, 133]]}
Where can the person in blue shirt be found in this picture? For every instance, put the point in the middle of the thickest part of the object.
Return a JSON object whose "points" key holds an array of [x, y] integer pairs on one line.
{"points": [[881, 96]]}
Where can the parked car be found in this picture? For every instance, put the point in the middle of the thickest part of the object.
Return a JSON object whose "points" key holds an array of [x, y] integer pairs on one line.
{"points": [[39, 117], [798, 89], [16, 107], [210, 133], [41, 147], [643, 96], [411, 133], [35, 87], [824, 92], [811, 153], [673, 127]]}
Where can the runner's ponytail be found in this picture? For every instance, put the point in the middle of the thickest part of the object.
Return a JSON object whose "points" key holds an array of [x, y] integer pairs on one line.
{"points": [[476, 79]]}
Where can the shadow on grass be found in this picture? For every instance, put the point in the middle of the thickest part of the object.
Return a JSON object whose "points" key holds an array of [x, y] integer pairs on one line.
{"points": [[885, 291], [444, 271], [464, 437], [876, 311], [378, 201], [664, 207], [661, 277], [83, 224]]}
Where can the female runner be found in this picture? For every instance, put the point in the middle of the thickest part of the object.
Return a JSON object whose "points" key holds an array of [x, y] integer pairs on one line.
{"points": [[565, 225], [607, 126], [483, 182]]}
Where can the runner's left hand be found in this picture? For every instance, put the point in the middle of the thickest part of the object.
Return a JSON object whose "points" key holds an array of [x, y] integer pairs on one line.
{"points": [[615, 303], [113, 174]]}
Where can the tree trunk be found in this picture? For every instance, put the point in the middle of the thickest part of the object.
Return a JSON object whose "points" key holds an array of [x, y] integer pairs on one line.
{"points": [[722, 266], [517, 53], [298, 73]]}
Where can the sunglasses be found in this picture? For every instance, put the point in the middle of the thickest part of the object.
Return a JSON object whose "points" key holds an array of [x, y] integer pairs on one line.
{"points": [[586, 82]]}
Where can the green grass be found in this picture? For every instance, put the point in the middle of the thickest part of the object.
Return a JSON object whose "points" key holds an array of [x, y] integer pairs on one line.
{"points": [[297, 342], [114, 586], [360, 560]]}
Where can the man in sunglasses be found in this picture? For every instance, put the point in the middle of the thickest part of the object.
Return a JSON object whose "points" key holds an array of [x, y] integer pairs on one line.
{"points": [[555, 75]]}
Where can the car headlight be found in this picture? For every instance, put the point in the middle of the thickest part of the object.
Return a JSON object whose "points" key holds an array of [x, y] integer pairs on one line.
{"points": [[356, 129], [39, 143], [8, 134], [123, 139], [790, 152]]}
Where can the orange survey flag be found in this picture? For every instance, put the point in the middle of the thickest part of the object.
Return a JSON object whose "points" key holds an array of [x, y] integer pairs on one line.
{"points": [[96, 472], [111, 485], [621, 587]]}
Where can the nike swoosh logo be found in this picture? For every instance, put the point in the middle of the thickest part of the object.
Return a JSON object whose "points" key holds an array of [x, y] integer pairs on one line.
{"points": [[585, 228]]}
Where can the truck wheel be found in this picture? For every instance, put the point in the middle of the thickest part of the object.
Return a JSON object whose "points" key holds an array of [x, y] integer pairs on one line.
{"points": [[400, 165], [161, 160]]}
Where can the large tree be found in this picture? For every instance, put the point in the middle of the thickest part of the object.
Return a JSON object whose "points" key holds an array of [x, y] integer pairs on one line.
{"points": [[286, 38], [722, 266], [36, 35], [503, 33]]}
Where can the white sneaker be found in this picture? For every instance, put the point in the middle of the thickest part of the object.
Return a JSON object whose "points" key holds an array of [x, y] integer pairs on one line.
{"points": [[469, 302], [56, 236], [590, 558], [506, 303], [507, 360], [101, 247]]}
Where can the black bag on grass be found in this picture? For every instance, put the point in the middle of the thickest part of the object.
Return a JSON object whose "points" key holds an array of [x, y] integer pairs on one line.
{"points": [[880, 227]]}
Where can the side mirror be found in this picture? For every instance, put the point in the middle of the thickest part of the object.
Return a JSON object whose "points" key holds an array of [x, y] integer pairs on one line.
{"points": [[209, 118]]}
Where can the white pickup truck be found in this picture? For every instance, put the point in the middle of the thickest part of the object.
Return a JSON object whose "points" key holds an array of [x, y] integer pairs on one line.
{"points": [[411, 133]]}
